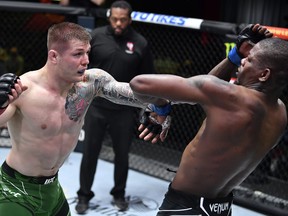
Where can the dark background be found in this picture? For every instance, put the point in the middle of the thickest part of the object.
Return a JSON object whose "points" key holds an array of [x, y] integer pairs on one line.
{"points": [[266, 12]]}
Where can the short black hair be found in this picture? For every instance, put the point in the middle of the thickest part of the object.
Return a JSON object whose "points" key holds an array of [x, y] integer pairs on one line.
{"points": [[122, 4]]}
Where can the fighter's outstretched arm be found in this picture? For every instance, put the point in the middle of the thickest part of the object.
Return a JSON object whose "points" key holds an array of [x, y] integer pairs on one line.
{"points": [[119, 92], [98, 83], [155, 119]]}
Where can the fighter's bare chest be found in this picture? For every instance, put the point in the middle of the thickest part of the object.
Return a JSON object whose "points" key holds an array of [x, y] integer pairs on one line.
{"points": [[48, 117]]}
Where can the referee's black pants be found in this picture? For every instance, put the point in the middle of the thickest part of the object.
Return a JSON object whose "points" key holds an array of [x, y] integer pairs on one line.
{"points": [[120, 125]]}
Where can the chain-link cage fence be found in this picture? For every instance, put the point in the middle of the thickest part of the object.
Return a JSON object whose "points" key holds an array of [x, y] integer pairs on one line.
{"points": [[182, 51]]}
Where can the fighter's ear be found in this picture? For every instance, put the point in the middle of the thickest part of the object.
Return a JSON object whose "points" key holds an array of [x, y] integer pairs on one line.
{"points": [[52, 55], [265, 75]]}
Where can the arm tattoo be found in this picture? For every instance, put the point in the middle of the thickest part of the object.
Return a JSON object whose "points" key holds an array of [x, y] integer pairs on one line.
{"points": [[98, 83], [117, 92], [121, 93], [78, 99]]}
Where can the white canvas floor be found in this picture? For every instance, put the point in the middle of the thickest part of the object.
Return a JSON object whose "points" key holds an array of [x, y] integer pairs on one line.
{"points": [[145, 192]]}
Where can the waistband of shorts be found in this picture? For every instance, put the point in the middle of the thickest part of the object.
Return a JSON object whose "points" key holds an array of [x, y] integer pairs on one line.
{"points": [[195, 200], [44, 180]]}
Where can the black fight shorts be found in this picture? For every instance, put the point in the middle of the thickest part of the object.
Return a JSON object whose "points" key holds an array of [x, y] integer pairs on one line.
{"points": [[178, 203]]}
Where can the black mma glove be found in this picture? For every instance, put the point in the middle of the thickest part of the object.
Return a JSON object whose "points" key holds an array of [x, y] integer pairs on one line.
{"points": [[150, 122], [246, 34], [7, 82]]}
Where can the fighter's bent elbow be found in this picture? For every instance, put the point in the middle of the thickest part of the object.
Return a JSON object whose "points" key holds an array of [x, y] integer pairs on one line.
{"points": [[136, 84]]}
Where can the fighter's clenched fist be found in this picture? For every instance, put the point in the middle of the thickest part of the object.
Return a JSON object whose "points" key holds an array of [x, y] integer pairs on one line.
{"points": [[7, 83]]}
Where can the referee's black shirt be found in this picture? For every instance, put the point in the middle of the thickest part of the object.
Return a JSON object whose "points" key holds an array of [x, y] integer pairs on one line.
{"points": [[123, 57]]}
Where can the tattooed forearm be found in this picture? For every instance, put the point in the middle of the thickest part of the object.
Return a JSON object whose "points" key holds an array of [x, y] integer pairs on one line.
{"points": [[117, 92], [121, 93], [99, 83]]}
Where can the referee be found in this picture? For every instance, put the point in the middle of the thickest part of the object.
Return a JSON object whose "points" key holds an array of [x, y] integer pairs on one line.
{"points": [[124, 53]]}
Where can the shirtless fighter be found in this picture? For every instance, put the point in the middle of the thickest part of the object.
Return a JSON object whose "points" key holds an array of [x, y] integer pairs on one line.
{"points": [[243, 122], [44, 110]]}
